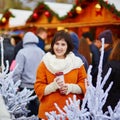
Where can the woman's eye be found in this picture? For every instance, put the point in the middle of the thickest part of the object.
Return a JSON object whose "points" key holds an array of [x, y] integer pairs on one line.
{"points": [[63, 44], [56, 43]]}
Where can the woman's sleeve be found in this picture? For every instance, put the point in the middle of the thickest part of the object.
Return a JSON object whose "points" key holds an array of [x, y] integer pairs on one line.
{"points": [[41, 80], [82, 76]]}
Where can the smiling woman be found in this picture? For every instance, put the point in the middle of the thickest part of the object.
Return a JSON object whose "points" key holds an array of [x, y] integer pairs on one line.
{"points": [[60, 48], [48, 86]]}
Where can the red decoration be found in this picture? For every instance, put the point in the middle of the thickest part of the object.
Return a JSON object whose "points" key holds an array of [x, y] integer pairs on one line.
{"points": [[70, 14], [47, 13], [99, 13], [76, 2], [116, 17], [35, 15], [41, 6]]}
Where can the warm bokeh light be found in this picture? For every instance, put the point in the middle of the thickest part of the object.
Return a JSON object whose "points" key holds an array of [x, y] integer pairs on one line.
{"points": [[78, 9], [4, 20], [98, 7]]}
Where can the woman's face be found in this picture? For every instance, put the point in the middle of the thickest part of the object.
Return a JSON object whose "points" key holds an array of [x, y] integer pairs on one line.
{"points": [[60, 48]]}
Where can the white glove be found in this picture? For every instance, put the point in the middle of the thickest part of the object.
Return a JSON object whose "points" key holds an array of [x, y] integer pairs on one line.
{"points": [[52, 87], [74, 88]]}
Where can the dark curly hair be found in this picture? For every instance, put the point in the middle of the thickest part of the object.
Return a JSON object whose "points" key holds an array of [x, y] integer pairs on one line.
{"points": [[62, 35]]}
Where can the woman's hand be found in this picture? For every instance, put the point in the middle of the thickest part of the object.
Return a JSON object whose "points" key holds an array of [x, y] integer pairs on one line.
{"points": [[59, 82], [64, 89]]}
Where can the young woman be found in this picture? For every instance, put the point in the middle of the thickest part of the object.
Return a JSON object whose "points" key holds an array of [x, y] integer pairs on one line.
{"points": [[51, 89]]}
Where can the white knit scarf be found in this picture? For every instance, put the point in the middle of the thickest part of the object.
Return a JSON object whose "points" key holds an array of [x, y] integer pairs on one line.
{"points": [[62, 65]]}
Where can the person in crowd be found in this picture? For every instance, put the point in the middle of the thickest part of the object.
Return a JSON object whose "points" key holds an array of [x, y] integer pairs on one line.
{"points": [[84, 49], [76, 43], [42, 35], [4, 113], [53, 89], [114, 63], [8, 50], [27, 61], [18, 46], [107, 35], [95, 55]]}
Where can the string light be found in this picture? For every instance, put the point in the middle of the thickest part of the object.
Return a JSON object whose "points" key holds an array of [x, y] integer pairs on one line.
{"points": [[78, 9], [98, 7]]}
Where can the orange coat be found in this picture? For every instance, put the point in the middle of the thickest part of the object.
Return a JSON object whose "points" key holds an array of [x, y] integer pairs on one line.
{"points": [[44, 77]]}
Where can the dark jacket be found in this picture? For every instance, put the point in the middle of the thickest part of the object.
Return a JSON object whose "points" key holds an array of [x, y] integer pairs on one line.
{"points": [[95, 61], [107, 52], [114, 93], [8, 51], [18, 46], [41, 43]]}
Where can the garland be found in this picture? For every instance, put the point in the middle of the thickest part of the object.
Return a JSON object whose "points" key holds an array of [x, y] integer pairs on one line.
{"points": [[5, 18], [44, 9], [110, 7]]}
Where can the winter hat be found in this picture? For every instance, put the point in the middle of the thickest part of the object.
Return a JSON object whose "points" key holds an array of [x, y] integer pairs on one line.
{"points": [[30, 37], [107, 34], [75, 40]]}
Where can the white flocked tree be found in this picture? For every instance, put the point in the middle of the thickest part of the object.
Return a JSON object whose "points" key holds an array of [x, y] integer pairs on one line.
{"points": [[16, 101]]}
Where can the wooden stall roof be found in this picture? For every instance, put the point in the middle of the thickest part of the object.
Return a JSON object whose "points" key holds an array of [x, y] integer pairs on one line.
{"points": [[88, 17]]}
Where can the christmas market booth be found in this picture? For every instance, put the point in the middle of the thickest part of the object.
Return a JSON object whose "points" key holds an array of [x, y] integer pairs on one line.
{"points": [[82, 16]]}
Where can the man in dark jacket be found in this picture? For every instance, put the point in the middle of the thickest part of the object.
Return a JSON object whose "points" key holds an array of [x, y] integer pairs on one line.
{"points": [[42, 35], [95, 55]]}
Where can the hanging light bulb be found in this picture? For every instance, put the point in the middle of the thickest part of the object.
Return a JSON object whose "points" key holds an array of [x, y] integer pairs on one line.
{"points": [[98, 7], [3, 20], [78, 9]]}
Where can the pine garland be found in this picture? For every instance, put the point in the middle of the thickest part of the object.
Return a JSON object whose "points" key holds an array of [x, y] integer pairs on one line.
{"points": [[5, 17], [42, 8], [72, 13], [110, 7]]}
